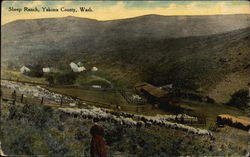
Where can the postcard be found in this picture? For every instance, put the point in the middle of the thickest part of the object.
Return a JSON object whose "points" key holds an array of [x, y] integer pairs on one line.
{"points": [[125, 78]]}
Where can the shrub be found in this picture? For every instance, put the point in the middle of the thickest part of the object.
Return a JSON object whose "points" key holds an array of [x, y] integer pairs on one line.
{"points": [[239, 99], [35, 71], [66, 78], [213, 127], [50, 79]]}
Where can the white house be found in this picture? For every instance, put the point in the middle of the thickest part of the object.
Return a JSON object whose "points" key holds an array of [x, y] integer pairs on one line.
{"points": [[24, 69], [82, 68], [75, 67], [46, 70], [94, 69]]}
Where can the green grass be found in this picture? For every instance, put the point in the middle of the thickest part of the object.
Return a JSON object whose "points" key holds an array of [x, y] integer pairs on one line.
{"points": [[211, 111], [16, 75]]}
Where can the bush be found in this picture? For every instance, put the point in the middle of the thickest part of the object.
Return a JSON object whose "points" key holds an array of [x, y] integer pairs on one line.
{"points": [[66, 79], [50, 79], [213, 127], [35, 71], [239, 99]]}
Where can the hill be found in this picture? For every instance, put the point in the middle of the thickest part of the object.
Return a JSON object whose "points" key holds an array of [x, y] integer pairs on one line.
{"points": [[196, 52], [80, 33]]}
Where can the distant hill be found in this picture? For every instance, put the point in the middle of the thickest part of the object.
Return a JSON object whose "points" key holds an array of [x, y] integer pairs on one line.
{"points": [[190, 51], [66, 33]]}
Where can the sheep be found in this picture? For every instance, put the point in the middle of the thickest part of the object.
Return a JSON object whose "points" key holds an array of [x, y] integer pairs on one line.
{"points": [[146, 121]]}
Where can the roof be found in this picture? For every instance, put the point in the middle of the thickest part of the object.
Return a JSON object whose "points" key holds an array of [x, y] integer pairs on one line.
{"points": [[235, 119], [153, 90], [24, 69]]}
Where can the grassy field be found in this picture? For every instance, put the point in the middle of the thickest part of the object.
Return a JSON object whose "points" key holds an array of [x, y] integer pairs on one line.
{"points": [[16, 75], [211, 111]]}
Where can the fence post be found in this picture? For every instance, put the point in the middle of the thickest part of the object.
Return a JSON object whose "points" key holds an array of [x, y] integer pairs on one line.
{"points": [[22, 98], [205, 121], [14, 95], [42, 101], [61, 101]]}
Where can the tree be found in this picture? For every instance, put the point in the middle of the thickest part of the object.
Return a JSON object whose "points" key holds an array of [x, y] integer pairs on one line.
{"points": [[50, 79], [239, 99], [66, 79]]}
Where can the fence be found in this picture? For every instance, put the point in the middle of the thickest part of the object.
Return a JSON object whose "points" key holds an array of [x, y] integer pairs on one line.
{"points": [[130, 99], [17, 97]]}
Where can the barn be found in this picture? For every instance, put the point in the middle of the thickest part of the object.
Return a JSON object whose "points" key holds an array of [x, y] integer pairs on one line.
{"points": [[46, 70], [153, 93]]}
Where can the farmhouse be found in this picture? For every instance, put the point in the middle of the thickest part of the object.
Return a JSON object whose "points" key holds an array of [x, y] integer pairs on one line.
{"points": [[225, 119], [75, 67], [24, 69], [46, 70]]}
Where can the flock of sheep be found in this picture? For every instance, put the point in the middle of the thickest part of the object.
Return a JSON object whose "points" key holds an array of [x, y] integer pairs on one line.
{"points": [[132, 120], [121, 118], [34, 91]]}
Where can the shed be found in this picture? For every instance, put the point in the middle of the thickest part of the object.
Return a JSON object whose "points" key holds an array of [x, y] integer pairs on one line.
{"points": [[94, 69], [46, 70]]}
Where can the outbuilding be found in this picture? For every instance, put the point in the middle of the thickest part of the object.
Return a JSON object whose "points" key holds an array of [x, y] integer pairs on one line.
{"points": [[94, 69], [156, 95], [46, 70], [73, 66]]}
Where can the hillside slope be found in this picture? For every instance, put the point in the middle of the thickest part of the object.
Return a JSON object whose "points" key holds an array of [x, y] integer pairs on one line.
{"points": [[72, 33], [195, 52]]}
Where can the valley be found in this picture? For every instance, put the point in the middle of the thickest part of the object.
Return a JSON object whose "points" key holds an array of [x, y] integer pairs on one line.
{"points": [[144, 77]]}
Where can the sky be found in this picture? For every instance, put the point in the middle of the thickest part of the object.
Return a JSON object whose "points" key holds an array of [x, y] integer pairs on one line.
{"points": [[110, 10]]}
